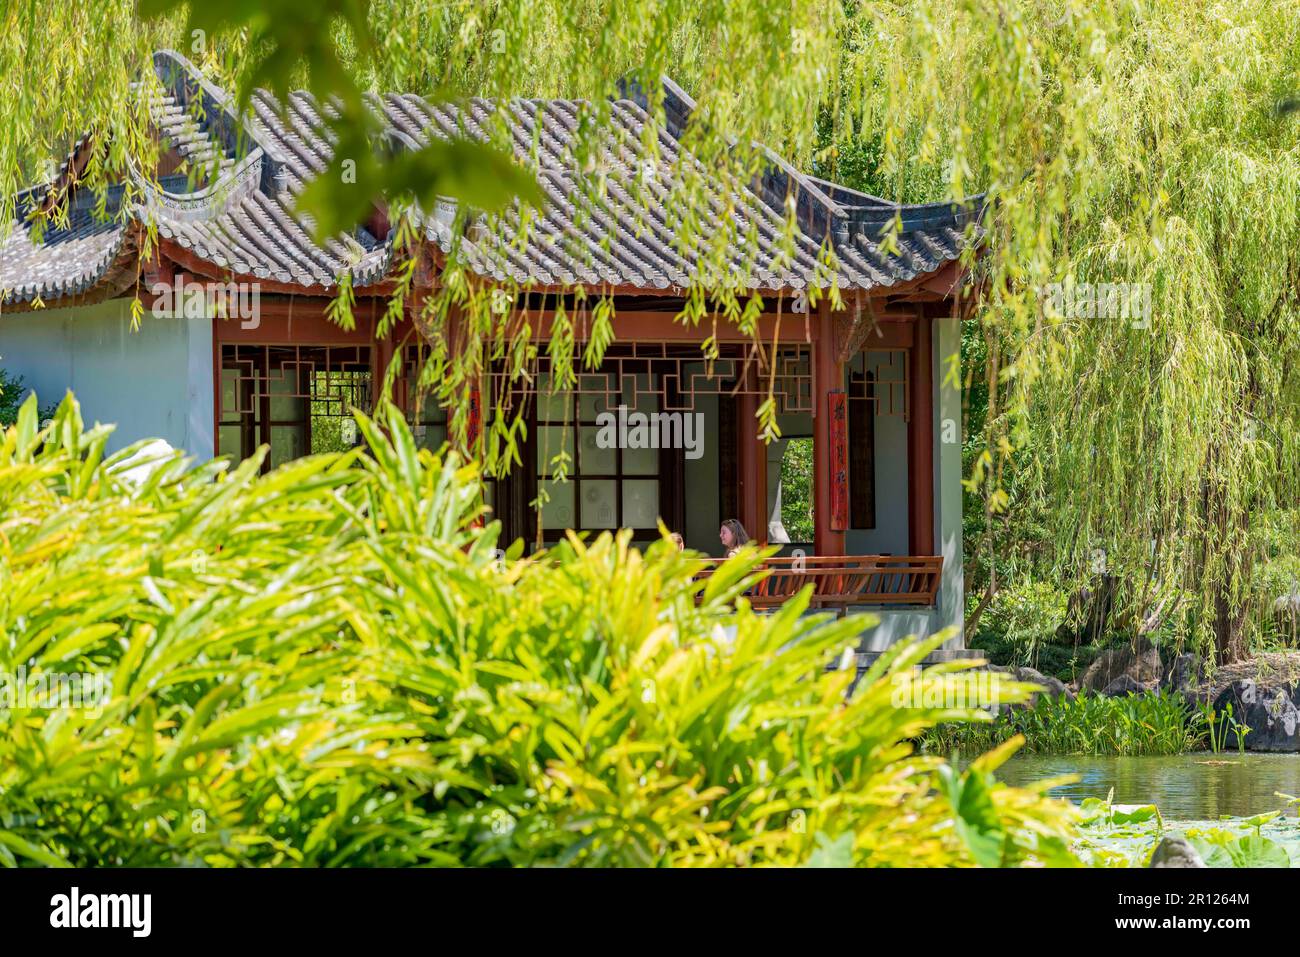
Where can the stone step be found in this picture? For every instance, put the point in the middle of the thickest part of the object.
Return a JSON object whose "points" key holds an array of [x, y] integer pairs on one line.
{"points": [[867, 658]]}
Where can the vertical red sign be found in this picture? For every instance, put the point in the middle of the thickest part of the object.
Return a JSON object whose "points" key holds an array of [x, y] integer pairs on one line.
{"points": [[475, 424], [837, 406]]}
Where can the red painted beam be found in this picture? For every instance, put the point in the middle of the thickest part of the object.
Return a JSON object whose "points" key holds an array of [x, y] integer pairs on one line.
{"points": [[299, 327]]}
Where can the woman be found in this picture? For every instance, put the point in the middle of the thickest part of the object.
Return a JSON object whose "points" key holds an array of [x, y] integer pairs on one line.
{"points": [[733, 537]]}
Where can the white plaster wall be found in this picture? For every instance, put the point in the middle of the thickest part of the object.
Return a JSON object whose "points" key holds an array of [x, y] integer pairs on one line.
{"points": [[154, 382]]}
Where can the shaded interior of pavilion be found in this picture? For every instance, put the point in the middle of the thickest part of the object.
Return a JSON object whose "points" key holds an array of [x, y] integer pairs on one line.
{"points": [[656, 434]]}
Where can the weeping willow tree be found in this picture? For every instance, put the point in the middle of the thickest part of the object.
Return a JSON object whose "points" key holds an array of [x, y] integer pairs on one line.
{"points": [[1123, 145], [1135, 144]]}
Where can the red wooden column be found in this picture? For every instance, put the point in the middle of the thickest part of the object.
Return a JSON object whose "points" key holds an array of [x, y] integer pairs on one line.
{"points": [[920, 442], [460, 332], [382, 355], [751, 461], [828, 377]]}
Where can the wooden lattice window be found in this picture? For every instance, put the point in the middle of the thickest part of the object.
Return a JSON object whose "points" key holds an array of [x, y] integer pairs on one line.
{"points": [[862, 454], [294, 399], [582, 484]]}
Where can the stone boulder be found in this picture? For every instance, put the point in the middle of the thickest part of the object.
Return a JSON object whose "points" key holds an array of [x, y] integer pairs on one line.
{"points": [[1055, 687], [1142, 665], [1287, 607], [1184, 674], [1271, 711], [1175, 851], [1124, 684]]}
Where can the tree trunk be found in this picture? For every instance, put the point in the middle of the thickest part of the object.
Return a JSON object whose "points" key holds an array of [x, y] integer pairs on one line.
{"points": [[1229, 527], [1230, 617], [1229, 631], [973, 621]]}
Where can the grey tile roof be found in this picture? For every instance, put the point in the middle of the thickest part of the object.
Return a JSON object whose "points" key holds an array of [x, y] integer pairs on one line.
{"points": [[621, 233]]}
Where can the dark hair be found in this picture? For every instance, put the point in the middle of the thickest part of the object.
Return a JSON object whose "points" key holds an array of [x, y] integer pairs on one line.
{"points": [[737, 531]]}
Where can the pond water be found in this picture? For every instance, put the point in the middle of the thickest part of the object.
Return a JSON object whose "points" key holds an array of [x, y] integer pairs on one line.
{"points": [[1199, 786]]}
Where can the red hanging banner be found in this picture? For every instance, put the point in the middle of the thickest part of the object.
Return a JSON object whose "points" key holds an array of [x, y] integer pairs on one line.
{"points": [[475, 424], [837, 406], [472, 430]]}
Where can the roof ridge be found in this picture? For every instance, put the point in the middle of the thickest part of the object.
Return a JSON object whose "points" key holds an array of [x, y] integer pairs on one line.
{"points": [[917, 215], [167, 64], [822, 181], [244, 220], [679, 105], [836, 219]]}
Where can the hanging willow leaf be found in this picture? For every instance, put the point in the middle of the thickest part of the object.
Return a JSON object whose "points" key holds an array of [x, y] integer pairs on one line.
{"points": [[284, 38]]}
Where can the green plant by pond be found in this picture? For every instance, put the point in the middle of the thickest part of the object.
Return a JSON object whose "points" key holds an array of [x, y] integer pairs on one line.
{"points": [[1221, 726], [1125, 835], [1156, 722]]}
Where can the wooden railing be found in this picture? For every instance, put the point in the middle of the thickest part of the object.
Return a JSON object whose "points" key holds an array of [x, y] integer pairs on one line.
{"points": [[842, 580]]}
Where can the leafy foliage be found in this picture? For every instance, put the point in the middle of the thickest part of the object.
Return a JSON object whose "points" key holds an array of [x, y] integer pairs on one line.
{"points": [[1151, 723], [11, 397], [330, 664], [797, 489], [1126, 835], [1027, 615], [1224, 849], [12, 390], [1130, 143]]}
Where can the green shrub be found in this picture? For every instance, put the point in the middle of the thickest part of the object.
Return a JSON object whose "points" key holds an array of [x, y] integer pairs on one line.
{"points": [[1156, 722], [12, 389], [329, 665], [1026, 614], [1065, 662], [11, 397], [1276, 584], [1020, 627]]}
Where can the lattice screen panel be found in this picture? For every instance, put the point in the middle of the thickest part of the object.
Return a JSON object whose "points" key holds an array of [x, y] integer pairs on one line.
{"points": [[880, 376], [670, 378]]}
